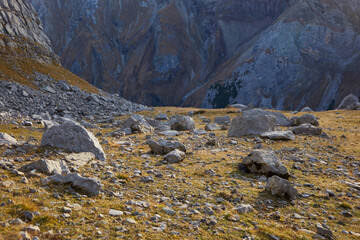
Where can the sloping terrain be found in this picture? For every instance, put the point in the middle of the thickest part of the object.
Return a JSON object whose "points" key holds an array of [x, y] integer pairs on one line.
{"points": [[309, 57], [152, 52], [32, 80], [276, 54], [194, 199]]}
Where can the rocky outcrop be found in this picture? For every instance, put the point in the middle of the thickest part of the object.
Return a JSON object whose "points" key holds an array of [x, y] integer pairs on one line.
{"points": [[18, 18], [306, 58]]}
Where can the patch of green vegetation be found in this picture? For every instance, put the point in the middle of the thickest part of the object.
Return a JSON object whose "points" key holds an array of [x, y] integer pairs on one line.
{"points": [[344, 206], [123, 176]]}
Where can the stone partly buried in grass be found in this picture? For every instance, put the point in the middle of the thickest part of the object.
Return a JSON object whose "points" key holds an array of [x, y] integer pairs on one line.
{"points": [[164, 147], [175, 156], [281, 187], [279, 135], [306, 129], [264, 162], [47, 167], [73, 137], [6, 139], [89, 186]]}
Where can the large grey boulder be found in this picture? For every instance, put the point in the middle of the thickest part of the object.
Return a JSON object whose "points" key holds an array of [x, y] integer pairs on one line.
{"points": [[251, 125], [350, 102], [281, 187], [306, 129], [306, 118], [89, 186], [281, 119], [184, 123], [175, 156], [265, 162], [48, 167], [7, 139], [163, 146], [279, 135], [74, 138], [222, 120]]}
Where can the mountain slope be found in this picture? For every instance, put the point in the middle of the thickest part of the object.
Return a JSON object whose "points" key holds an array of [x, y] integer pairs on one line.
{"points": [[153, 52], [283, 54], [309, 57], [32, 81]]}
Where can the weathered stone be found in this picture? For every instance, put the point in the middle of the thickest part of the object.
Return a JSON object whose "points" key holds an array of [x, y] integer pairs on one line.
{"points": [[163, 146], [212, 127], [184, 123], [171, 133], [47, 167], [175, 156], [251, 125], [115, 213], [281, 119], [265, 162], [169, 211], [279, 135], [161, 116], [80, 159], [306, 109], [141, 127], [306, 118], [32, 229], [243, 208], [74, 138], [281, 187], [90, 186], [323, 230], [306, 129], [350, 102], [7, 139], [222, 120]]}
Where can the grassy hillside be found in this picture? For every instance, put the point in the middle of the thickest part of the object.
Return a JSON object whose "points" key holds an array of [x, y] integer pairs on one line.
{"points": [[326, 164]]}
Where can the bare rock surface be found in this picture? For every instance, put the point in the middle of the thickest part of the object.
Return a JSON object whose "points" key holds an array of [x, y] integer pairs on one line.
{"points": [[89, 186], [74, 138], [281, 187], [48, 167], [279, 135], [7, 139], [251, 125]]}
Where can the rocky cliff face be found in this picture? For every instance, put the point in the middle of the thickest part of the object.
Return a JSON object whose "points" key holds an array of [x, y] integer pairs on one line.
{"points": [[19, 19], [21, 32], [308, 57], [153, 51], [282, 54]]}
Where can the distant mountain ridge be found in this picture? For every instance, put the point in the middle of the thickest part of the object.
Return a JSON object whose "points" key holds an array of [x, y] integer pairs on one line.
{"points": [[282, 54]]}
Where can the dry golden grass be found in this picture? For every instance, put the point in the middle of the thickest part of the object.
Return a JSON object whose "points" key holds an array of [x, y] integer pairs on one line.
{"points": [[19, 65], [190, 182]]}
